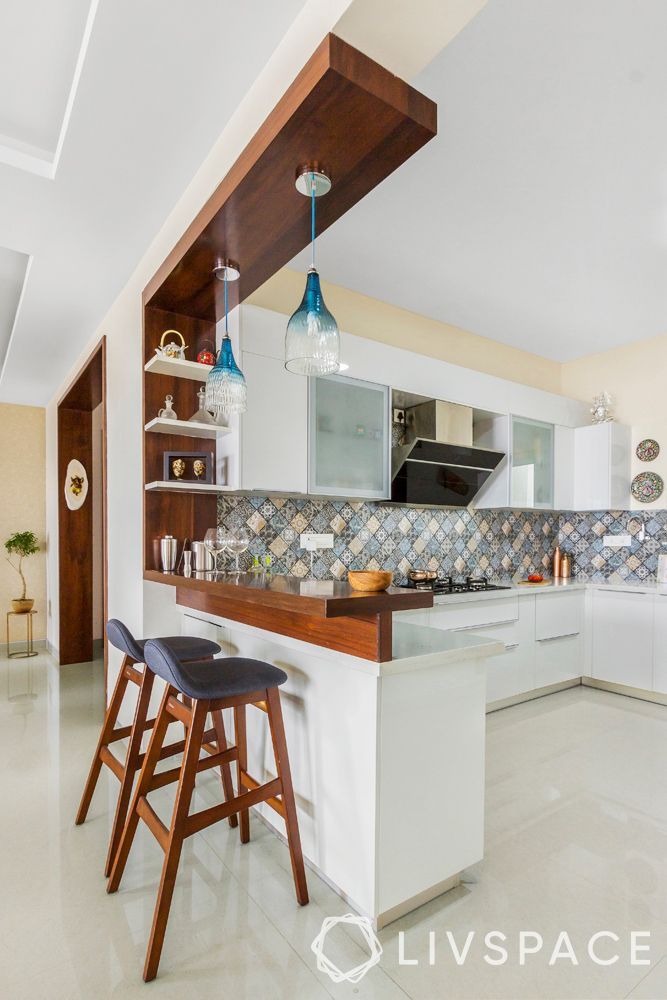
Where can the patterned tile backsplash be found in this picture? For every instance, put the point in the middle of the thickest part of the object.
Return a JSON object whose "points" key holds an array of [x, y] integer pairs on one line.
{"points": [[498, 544]]}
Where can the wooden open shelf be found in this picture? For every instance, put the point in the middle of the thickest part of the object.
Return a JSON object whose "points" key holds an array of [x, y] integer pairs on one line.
{"points": [[168, 487], [188, 428], [344, 114], [177, 368]]}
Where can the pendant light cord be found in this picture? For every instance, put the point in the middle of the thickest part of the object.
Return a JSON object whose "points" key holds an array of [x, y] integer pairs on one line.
{"points": [[313, 186], [226, 304]]}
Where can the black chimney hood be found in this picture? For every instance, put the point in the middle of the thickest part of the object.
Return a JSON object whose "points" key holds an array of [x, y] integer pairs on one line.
{"points": [[444, 475]]}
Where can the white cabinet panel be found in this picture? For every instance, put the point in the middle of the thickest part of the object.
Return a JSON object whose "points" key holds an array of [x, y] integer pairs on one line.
{"points": [[469, 614], [660, 644], [559, 614], [623, 638], [511, 673], [274, 430], [563, 468], [602, 456], [558, 659]]}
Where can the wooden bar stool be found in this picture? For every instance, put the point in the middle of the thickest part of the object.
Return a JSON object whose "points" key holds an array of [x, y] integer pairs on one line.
{"points": [[183, 647], [208, 687]]}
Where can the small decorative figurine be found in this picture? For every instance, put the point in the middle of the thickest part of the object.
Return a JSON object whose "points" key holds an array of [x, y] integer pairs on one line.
{"points": [[172, 349], [206, 356], [167, 412], [199, 468], [601, 408], [178, 468]]}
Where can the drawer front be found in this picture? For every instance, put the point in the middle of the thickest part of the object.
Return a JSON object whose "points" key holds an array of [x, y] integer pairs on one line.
{"points": [[475, 613], [559, 615], [511, 673], [557, 659]]}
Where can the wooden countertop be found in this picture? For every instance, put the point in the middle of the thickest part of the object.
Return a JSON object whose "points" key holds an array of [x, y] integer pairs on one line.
{"points": [[323, 598]]}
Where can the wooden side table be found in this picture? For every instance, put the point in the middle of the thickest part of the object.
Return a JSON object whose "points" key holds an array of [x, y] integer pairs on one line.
{"points": [[28, 651]]}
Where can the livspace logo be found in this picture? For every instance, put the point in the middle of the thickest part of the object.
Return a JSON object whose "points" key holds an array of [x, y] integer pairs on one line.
{"points": [[498, 948]]}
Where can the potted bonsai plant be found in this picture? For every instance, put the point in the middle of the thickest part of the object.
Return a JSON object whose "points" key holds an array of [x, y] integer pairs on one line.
{"points": [[21, 544]]}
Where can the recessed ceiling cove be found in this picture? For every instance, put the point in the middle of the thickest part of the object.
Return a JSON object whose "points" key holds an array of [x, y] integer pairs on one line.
{"points": [[42, 50], [13, 271]]}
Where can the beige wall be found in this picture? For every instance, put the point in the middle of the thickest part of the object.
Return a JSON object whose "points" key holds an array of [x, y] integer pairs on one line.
{"points": [[367, 317], [22, 506], [634, 375]]}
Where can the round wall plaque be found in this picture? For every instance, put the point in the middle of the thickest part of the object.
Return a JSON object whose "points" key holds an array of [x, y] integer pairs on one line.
{"points": [[76, 485], [647, 487]]}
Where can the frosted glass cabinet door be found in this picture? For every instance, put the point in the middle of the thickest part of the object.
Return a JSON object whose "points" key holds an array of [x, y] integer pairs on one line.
{"points": [[532, 469], [348, 437]]}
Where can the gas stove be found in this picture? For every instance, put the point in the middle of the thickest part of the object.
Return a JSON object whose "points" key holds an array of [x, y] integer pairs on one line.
{"points": [[448, 585]]}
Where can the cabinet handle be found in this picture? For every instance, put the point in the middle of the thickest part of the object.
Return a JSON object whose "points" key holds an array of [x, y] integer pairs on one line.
{"points": [[471, 628], [555, 638], [511, 645]]}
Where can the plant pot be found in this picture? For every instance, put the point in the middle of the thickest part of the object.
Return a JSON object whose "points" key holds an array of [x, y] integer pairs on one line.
{"points": [[23, 605]]}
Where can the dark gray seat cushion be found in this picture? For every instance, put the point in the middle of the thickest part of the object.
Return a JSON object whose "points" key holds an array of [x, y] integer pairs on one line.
{"points": [[222, 678], [185, 647]]}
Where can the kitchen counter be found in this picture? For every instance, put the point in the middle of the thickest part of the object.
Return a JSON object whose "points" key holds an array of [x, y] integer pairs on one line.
{"points": [[328, 613], [514, 589]]}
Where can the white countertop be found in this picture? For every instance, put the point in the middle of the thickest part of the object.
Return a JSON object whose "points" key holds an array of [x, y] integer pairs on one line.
{"points": [[513, 589]]}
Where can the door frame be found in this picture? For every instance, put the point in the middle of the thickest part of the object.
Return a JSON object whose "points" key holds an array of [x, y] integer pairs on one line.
{"points": [[85, 393]]}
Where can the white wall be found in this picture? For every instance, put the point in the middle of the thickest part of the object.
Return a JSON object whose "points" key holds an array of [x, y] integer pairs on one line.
{"points": [[122, 327]]}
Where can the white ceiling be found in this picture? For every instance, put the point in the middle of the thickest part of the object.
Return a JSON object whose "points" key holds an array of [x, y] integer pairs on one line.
{"points": [[42, 49], [538, 216], [157, 85]]}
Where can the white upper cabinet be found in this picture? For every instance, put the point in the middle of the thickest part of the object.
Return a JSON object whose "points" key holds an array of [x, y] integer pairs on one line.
{"points": [[349, 443], [525, 479], [274, 429], [602, 463]]}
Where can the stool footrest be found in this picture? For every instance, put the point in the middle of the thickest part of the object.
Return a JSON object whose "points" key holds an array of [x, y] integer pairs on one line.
{"points": [[249, 782], [163, 778], [205, 817], [112, 763], [153, 822]]}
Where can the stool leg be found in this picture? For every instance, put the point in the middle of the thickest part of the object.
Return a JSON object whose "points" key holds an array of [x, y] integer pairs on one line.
{"points": [[242, 765], [285, 775], [103, 741], [225, 769], [131, 766], [186, 784], [145, 777]]}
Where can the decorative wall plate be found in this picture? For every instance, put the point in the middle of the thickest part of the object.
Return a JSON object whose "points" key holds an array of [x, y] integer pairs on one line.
{"points": [[76, 485], [647, 450], [647, 487]]}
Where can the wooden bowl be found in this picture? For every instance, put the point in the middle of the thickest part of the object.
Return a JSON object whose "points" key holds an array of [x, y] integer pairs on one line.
{"points": [[370, 580]]}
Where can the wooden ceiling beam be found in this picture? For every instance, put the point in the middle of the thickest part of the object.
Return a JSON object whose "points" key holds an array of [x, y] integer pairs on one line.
{"points": [[344, 111]]}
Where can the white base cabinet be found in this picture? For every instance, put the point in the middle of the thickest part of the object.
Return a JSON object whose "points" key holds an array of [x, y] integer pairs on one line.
{"points": [[543, 635], [622, 639], [660, 644]]}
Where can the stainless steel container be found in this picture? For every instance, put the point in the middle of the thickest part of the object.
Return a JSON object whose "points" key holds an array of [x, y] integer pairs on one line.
{"points": [[202, 560], [168, 550]]}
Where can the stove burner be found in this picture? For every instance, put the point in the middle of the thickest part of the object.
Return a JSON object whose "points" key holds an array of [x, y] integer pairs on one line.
{"points": [[448, 585]]}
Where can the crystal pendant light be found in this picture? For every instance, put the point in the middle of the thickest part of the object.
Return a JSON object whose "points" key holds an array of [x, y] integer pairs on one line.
{"points": [[226, 390], [312, 341]]}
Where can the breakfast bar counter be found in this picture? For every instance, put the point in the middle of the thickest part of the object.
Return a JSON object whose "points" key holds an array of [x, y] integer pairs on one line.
{"points": [[327, 612]]}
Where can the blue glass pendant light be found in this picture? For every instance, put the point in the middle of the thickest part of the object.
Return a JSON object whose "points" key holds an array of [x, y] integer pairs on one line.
{"points": [[312, 341], [226, 390]]}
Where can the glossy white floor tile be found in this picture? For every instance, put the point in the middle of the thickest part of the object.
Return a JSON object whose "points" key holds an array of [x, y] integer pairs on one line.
{"points": [[576, 842]]}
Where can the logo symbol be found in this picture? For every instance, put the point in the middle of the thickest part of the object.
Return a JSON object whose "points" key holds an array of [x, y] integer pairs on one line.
{"points": [[325, 964]]}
